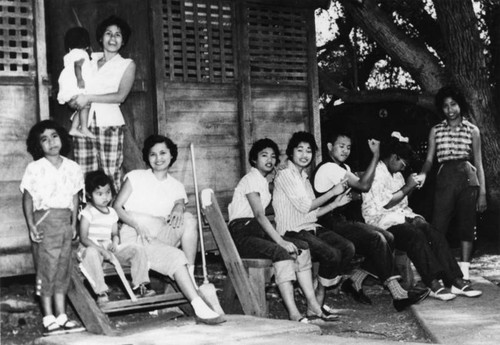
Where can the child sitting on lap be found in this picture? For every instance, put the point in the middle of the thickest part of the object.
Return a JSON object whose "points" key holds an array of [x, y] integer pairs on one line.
{"points": [[100, 240]]}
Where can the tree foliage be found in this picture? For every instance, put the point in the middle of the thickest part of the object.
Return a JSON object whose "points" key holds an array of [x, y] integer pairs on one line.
{"points": [[419, 46]]}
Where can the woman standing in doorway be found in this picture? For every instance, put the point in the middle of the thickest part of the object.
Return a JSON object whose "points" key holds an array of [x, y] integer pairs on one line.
{"points": [[111, 83], [460, 185]]}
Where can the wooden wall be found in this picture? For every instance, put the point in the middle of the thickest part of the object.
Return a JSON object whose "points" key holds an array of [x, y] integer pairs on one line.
{"points": [[216, 73]]}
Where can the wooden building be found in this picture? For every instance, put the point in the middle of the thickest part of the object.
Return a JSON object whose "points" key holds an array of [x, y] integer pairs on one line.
{"points": [[216, 73]]}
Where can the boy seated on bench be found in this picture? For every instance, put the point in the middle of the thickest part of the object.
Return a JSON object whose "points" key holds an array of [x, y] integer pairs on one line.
{"points": [[99, 240], [151, 205], [371, 242], [255, 236]]}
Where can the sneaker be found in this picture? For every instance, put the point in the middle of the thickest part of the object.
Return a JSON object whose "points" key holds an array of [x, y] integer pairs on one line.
{"points": [[102, 298], [143, 291]]}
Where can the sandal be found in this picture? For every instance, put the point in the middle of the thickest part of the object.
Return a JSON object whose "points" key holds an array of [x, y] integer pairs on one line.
{"points": [[304, 319], [442, 294], [326, 318], [466, 291], [52, 328]]}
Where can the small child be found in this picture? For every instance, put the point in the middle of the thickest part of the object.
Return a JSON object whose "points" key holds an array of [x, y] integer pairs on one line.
{"points": [[50, 188], [75, 74], [100, 240]]}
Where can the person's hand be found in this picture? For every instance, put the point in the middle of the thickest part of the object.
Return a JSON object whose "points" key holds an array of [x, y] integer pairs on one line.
{"points": [[106, 255], [35, 234], [343, 199], [412, 181], [112, 247], [421, 180], [374, 146], [176, 217], [481, 204], [340, 187], [142, 233], [79, 102], [289, 246]]}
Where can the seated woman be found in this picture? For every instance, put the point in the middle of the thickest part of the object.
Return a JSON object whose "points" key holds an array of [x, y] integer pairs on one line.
{"points": [[297, 210], [151, 206], [386, 205], [255, 236]]}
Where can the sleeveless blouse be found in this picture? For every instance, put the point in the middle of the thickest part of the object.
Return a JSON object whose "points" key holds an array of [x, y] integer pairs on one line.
{"points": [[453, 144]]}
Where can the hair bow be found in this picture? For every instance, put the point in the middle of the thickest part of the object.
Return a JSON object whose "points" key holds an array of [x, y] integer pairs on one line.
{"points": [[401, 139]]}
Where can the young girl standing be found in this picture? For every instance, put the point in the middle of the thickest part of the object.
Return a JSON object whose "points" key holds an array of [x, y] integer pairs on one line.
{"points": [[50, 188], [100, 240], [460, 185]]}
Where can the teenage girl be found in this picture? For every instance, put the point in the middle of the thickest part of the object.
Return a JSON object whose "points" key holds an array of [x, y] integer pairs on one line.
{"points": [[256, 237], [100, 240], [50, 188], [460, 185]]}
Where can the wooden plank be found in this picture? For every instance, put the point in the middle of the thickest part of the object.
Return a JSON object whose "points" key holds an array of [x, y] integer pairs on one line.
{"points": [[93, 318], [236, 270], [156, 301], [245, 86], [312, 120], [16, 264], [158, 60], [41, 60]]}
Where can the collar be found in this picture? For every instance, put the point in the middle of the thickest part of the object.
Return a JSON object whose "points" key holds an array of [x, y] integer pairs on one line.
{"points": [[295, 170]]}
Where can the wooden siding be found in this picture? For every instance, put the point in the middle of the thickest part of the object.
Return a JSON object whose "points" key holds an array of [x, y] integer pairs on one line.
{"points": [[22, 74]]}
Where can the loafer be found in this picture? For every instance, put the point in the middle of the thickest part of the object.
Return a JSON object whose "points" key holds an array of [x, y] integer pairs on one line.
{"points": [[414, 297], [358, 296]]}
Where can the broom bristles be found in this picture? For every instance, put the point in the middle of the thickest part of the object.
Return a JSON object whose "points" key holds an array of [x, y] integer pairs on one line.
{"points": [[209, 295]]}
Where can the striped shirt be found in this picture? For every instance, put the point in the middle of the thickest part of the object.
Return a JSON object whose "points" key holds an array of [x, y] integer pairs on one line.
{"points": [[453, 143], [292, 199], [101, 224]]}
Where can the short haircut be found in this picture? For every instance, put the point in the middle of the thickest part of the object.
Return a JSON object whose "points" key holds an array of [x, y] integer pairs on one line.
{"points": [[260, 145], [332, 137], [33, 141], [113, 20], [392, 145], [76, 37], [96, 179], [454, 93], [154, 139], [301, 137]]}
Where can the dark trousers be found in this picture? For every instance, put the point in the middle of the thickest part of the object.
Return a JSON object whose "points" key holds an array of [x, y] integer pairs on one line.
{"points": [[427, 249], [373, 243], [252, 241], [333, 252], [457, 188]]}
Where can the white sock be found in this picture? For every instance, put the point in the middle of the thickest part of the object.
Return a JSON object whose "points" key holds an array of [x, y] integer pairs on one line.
{"points": [[191, 274], [464, 267], [47, 320], [202, 310]]}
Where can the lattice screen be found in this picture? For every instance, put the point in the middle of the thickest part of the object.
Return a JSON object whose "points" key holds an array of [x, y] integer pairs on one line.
{"points": [[16, 38], [277, 45], [198, 40]]}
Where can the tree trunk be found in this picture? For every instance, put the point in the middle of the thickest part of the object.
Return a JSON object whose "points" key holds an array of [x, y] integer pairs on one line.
{"points": [[409, 53], [467, 66]]}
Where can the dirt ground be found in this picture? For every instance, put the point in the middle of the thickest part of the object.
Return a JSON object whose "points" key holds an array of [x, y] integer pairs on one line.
{"points": [[21, 318]]}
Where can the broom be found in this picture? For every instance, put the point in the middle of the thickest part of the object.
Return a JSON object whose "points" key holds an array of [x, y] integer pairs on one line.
{"points": [[207, 291]]}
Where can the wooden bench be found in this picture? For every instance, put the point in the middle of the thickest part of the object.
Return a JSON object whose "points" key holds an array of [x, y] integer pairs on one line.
{"points": [[247, 278], [95, 318]]}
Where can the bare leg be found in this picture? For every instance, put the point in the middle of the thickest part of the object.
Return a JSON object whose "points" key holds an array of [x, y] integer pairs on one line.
{"points": [[466, 251], [305, 281], [287, 293], [84, 115], [60, 303], [46, 303], [320, 293], [75, 123], [189, 240]]}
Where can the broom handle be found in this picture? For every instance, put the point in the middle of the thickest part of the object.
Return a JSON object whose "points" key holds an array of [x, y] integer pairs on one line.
{"points": [[198, 212]]}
